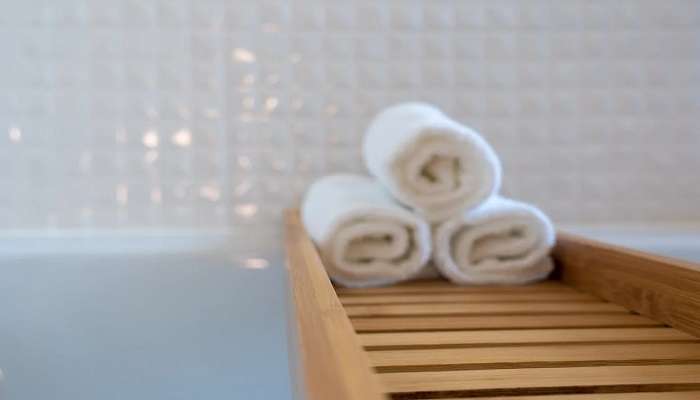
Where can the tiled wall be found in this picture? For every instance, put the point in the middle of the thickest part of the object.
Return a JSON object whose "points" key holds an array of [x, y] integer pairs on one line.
{"points": [[210, 114]]}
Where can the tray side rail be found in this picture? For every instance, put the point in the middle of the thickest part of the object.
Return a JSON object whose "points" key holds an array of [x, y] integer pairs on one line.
{"points": [[661, 288], [327, 360]]}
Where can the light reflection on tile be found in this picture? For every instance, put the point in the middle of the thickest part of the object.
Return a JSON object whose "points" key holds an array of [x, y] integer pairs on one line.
{"points": [[182, 138], [271, 103], [150, 139], [255, 263], [210, 192], [246, 210], [172, 114], [156, 196], [242, 55], [15, 134]]}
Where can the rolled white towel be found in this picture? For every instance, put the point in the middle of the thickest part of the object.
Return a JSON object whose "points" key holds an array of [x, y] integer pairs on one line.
{"points": [[364, 237], [501, 242], [429, 162]]}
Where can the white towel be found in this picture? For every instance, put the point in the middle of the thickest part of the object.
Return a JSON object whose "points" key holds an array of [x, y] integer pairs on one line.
{"points": [[365, 238], [429, 162], [501, 242]]}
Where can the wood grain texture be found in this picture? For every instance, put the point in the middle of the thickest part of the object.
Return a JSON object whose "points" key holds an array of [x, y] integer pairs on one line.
{"points": [[522, 336], [547, 380], [332, 362], [440, 286], [547, 341], [519, 308], [689, 395], [535, 356], [469, 298], [661, 288], [498, 322]]}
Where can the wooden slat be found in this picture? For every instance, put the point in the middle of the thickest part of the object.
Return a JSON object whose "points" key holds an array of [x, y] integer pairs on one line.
{"points": [[441, 286], [546, 380], [689, 395], [498, 322], [519, 308], [535, 356], [661, 288], [523, 336], [332, 364], [436, 298], [499, 341]]}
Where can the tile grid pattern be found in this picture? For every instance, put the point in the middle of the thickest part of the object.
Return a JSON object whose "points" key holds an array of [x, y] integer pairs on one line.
{"points": [[214, 114]]}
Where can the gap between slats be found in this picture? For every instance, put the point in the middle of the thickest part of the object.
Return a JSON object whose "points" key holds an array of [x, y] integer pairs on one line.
{"points": [[555, 393], [444, 323], [689, 395], [443, 287], [470, 298], [417, 329], [513, 308]]}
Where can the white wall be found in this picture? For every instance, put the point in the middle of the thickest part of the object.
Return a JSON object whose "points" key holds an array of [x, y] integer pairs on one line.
{"points": [[211, 114]]}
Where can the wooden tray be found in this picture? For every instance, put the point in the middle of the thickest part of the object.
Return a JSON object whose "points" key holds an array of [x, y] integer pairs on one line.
{"points": [[613, 324]]}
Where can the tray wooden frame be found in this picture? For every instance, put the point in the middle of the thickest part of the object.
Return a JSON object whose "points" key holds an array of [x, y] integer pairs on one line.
{"points": [[612, 324]]}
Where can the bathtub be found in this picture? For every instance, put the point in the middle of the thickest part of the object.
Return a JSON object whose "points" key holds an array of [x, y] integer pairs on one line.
{"points": [[131, 318], [171, 316]]}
